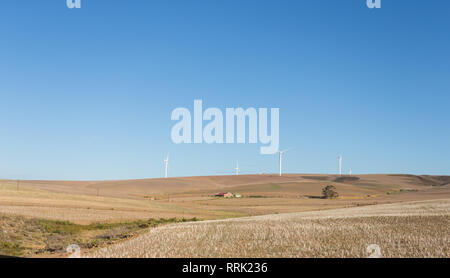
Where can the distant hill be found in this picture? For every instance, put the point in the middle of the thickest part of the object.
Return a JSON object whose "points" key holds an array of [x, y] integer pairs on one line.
{"points": [[250, 183]]}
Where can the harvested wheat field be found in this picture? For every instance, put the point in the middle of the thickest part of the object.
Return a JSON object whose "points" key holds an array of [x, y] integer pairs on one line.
{"points": [[86, 202], [273, 217], [413, 229]]}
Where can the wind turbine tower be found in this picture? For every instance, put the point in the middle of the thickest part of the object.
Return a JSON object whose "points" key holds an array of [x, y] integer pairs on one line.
{"points": [[237, 168], [340, 165], [280, 159], [166, 164]]}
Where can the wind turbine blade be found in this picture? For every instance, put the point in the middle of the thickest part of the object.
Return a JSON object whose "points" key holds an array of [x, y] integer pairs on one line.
{"points": [[286, 150]]}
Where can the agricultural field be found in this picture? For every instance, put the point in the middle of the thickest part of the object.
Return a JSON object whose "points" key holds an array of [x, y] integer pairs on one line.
{"points": [[418, 229], [34, 237], [40, 218]]}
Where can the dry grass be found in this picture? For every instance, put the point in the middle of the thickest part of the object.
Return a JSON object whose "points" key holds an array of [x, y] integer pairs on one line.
{"points": [[414, 229], [30, 237], [271, 184], [128, 200], [418, 229], [35, 202]]}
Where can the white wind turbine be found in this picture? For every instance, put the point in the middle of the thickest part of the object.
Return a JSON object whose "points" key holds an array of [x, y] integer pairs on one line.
{"points": [[237, 168], [340, 165], [280, 158], [166, 164]]}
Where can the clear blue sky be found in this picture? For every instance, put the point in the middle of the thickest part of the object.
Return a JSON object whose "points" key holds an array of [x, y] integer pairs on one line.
{"points": [[87, 94]]}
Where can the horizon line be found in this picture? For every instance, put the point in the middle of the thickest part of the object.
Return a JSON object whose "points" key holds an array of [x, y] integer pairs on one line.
{"points": [[225, 175]]}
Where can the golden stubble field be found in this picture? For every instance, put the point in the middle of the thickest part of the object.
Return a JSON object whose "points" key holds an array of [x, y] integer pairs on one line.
{"points": [[415, 229], [85, 202], [102, 213]]}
